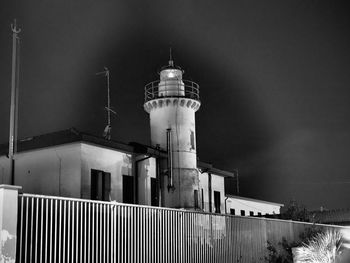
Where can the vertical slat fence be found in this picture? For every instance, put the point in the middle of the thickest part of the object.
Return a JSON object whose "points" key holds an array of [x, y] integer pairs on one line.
{"points": [[54, 229]]}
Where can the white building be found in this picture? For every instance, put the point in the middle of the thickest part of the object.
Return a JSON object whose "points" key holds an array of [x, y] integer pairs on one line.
{"points": [[243, 206], [71, 163]]}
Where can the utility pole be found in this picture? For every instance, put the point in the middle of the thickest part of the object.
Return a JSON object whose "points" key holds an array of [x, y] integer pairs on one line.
{"points": [[108, 128], [237, 180], [14, 98]]}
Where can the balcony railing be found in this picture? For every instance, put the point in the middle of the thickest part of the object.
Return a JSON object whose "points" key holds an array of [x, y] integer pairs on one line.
{"points": [[155, 90]]}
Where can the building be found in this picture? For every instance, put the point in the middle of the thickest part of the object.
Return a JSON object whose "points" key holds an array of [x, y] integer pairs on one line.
{"points": [[243, 206], [167, 173]]}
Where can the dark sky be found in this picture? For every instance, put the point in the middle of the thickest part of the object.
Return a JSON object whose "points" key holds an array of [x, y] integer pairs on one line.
{"points": [[274, 78]]}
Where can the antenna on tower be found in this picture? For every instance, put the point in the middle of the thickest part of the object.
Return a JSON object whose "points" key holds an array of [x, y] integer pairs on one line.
{"points": [[171, 61], [14, 98], [108, 128]]}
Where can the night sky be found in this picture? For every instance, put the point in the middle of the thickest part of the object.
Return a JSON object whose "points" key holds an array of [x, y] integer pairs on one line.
{"points": [[274, 79]]}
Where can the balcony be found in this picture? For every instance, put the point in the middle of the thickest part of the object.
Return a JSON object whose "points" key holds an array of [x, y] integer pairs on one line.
{"points": [[171, 88]]}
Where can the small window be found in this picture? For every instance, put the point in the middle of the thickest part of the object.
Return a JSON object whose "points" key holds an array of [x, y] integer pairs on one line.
{"points": [[196, 199], [202, 199], [251, 213], [232, 211], [259, 214], [242, 213], [192, 140], [100, 185], [217, 202], [128, 189], [154, 192]]}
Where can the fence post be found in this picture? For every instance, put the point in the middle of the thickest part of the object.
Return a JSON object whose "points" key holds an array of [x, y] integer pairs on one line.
{"points": [[8, 222]]}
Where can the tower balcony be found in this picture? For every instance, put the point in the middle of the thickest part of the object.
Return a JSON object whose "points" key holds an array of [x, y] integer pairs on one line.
{"points": [[171, 89]]}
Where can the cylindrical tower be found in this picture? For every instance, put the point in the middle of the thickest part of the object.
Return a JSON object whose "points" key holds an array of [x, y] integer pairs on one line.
{"points": [[172, 103]]}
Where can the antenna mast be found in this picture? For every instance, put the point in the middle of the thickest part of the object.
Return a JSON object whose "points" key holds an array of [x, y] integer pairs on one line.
{"points": [[108, 128], [14, 98]]}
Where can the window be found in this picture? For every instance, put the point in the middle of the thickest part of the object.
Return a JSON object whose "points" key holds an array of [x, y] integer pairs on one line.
{"points": [[251, 213], [154, 192], [202, 199], [232, 211], [192, 140], [128, 189], [217, 202], [259, 214], [242, 213], [195, 193], [100, 185]]}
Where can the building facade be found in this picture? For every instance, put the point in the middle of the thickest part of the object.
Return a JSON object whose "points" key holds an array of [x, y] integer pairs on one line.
{"points": [[243, 206], [167, 173]]}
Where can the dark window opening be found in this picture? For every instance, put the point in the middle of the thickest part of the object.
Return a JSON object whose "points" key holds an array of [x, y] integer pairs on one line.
{"points": [[259, 214], [154, 192], [192, 140], [242, 213], [202, 199], [100, 185], [217, 202], [251, 213], [128, 189], [232, 211], [195, 193]]}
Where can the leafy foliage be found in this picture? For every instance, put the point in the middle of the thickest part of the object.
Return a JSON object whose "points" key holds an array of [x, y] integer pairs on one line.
{"points": [[322, 248], [296, 212], [282, 253]]}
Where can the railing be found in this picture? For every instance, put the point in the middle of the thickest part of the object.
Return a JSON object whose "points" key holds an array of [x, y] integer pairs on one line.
{"points": [[54, 229], [189, 89]]}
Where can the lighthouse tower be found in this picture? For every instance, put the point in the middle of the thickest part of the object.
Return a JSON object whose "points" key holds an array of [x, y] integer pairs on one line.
{"points": [[171, 103]]}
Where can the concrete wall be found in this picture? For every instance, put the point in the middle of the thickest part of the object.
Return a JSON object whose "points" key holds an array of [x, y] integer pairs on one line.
{"points": [[8, 222], [146, 170], [251, 205], [48, 171], [217, 184], [107, 160]]}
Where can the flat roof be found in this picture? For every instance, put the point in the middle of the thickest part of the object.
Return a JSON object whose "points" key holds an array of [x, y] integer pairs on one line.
{"points": [[73, 135], [208, 168], [253, 200]]}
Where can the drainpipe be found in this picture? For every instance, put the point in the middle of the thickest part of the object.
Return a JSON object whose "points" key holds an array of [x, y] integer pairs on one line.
{"points": [[159, 183], [170, 158], [209, 190], [226, 204]]}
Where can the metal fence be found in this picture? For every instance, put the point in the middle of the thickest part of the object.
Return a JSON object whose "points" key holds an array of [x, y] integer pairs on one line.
{"points": [[186, 89], [55, 229]]}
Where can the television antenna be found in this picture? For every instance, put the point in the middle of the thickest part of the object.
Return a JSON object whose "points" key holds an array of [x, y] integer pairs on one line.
{"points": [[108, 128]]}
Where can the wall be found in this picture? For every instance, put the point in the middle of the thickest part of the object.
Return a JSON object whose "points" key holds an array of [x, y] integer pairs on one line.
{"points": [[107, 160], [146, 170], [251, 205], [217, 184], [49, 171]]}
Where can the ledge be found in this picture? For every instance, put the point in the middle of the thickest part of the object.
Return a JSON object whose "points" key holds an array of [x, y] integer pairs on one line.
{"points": [[10, 187]]}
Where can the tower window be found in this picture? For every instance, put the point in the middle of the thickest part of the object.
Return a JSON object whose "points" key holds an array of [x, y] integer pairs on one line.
{"points": [[196, 199], [192, 140]]}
